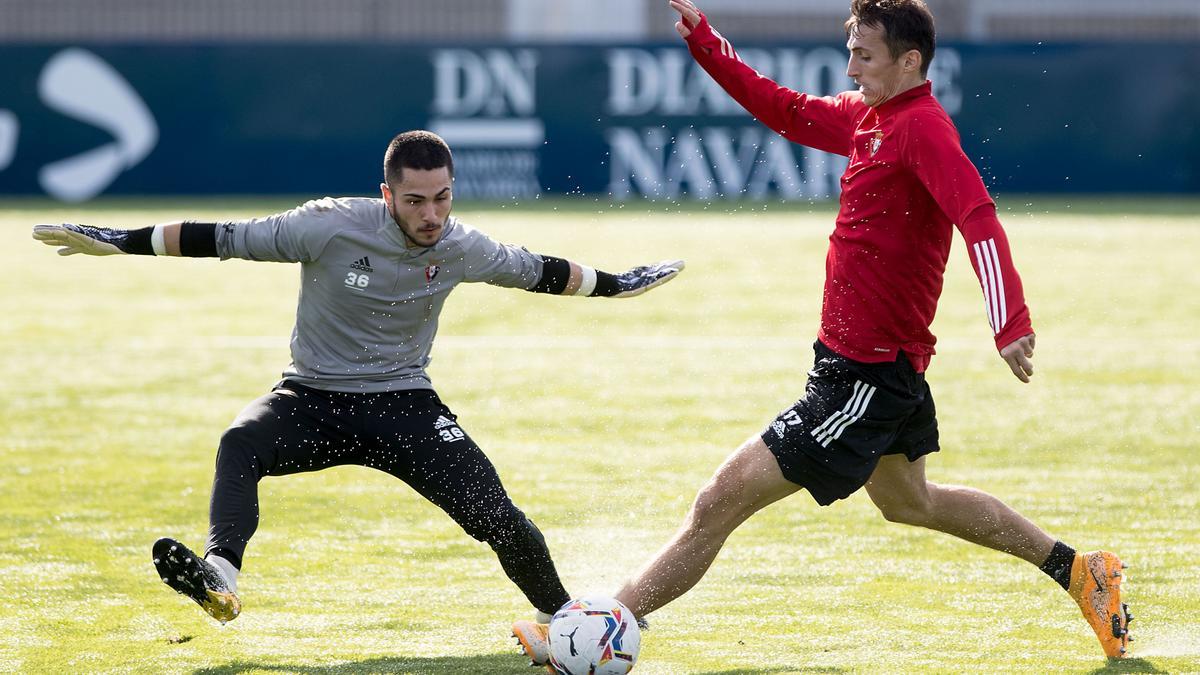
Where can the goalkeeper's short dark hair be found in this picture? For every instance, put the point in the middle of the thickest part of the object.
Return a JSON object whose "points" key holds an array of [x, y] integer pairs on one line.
{"points": [[906, 24], [421, 150]]}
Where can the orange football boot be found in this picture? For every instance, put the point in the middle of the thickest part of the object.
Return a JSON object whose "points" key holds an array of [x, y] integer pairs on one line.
{"points": [[535, 642], [1096, 586]]}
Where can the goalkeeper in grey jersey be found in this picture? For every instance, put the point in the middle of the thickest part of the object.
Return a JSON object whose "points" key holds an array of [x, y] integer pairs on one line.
{"points": [[375, 274]]}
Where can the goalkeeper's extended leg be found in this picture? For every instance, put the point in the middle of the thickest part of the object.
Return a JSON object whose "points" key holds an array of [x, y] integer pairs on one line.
{"points": [[526, 560], [453, 473]]}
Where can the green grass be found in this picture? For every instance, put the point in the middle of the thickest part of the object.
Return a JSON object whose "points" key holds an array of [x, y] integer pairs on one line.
{"points": [[603, 417]]}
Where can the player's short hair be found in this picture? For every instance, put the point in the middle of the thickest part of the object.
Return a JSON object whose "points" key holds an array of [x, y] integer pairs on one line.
{"points": [[906, 24], [421, 150]]}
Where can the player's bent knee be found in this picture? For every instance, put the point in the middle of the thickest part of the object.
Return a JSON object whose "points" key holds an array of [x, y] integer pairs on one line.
{"points": [[486, 530], [239, 437], [238, 449], [716, 510], [907, 513]]}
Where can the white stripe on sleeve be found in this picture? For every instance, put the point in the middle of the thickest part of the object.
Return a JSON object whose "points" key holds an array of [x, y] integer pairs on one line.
{"points": [[994, 284], [999, 274], [727, 47], [983, 281]]}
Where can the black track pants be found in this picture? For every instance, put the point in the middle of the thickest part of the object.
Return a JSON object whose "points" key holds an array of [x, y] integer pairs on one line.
{"points": [[411, 435]]}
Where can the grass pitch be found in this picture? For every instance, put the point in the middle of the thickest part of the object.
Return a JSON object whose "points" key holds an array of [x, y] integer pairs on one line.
{"points": [[604, 417]]}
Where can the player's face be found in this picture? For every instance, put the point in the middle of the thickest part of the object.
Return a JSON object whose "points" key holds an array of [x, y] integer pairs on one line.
{"points": [[879, 77], [420, 203]]}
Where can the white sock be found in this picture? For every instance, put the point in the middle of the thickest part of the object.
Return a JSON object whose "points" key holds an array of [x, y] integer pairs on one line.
{"points": [[542, 617], [227, 570]]}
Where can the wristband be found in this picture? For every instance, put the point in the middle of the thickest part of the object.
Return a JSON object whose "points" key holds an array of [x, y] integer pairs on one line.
{"points": [[588, 283], [157, 243]]}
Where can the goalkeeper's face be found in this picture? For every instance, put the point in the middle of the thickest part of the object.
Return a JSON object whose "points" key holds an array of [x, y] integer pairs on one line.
{"points": [[420, 203]]}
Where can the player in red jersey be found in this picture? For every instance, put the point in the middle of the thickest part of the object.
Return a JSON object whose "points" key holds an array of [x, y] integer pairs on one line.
{"points": [[867, 416]]}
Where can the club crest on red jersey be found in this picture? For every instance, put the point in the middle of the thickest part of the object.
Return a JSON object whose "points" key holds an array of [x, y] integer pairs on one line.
{"points": [[431, 271], [876, 142]]}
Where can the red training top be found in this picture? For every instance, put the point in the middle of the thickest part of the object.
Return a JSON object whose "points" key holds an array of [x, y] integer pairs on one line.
{"points": [[908, 180]]}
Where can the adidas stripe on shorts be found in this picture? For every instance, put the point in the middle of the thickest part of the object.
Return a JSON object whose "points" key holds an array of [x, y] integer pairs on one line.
{"points": [[851, 414]]}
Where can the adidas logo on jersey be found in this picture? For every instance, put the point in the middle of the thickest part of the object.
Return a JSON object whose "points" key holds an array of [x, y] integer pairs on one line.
{"points": [[363, 264], [779, 427], [442, 422]]}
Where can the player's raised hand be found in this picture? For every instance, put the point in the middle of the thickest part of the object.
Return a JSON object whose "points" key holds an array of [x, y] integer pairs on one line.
{"points": [[1017, 355], [641, 279], [81, 239], [690, 15]]}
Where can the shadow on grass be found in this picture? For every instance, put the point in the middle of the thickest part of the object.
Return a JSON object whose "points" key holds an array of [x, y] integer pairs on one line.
{"points": [[1128, 666], [476, 663], [766, 670], [479, 663]]}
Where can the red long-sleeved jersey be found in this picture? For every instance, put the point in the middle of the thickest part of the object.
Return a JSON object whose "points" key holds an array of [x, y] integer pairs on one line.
{"points": [[907, 182]]}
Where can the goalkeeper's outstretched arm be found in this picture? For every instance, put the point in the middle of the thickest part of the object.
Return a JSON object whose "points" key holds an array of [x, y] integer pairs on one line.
{"points": [[194, 240], [199, 240], [564, 277]]}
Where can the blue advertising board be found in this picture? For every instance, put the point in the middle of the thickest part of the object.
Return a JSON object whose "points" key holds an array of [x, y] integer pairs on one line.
{"points": [[624, 121]]}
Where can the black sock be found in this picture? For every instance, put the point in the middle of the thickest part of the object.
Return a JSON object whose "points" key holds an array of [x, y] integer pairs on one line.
{"points": [[1058, 564]]}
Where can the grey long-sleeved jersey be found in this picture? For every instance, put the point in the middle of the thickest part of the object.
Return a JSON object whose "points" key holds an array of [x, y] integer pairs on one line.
{"points": [[369, 305]]}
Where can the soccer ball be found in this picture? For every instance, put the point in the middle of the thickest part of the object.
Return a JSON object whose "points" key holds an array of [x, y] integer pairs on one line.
{"points": [[594, 635]]}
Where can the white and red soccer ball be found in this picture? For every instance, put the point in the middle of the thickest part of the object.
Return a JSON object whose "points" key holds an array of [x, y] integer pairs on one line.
{"points": [[594, 635]]}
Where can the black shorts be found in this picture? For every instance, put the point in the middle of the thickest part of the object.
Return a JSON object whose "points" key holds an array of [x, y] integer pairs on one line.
{"points": [[852, 413]]}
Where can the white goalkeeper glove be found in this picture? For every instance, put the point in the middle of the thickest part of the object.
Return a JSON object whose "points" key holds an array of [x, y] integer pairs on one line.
{"points": [[82, 239], [641, 279]]}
